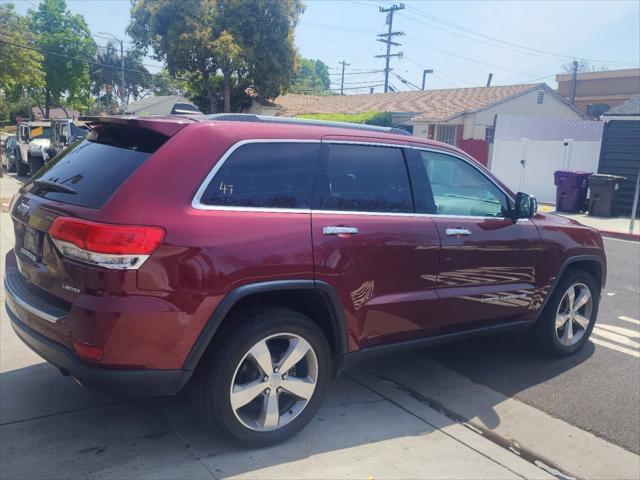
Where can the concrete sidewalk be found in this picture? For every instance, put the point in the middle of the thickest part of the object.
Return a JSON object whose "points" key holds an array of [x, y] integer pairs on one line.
{"points": [[616, 227]]}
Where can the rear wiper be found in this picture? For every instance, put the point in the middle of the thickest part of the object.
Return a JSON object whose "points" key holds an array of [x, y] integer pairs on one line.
{"points": [[53, 186]]}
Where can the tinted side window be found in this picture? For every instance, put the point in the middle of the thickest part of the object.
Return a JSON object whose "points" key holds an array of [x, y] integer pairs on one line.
{"points": [[460, 189], [366, 179], [265, 175]]}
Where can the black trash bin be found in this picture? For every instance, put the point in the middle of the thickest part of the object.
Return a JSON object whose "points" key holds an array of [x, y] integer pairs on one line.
{"points": [[603, 200], [571, 190]]}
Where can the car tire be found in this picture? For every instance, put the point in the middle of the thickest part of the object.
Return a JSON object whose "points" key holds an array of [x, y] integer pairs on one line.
{"points": [[566, 323], [35, 164], [230, 368], [21, 167]]}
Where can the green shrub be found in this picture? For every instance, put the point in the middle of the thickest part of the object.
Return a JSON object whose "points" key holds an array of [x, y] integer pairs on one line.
{"points": [[382, 119]]}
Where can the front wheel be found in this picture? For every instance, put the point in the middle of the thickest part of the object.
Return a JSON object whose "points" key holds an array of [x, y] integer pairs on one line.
{"points": [[266, 380], [35, 164], [570, 315], [21, 167]]}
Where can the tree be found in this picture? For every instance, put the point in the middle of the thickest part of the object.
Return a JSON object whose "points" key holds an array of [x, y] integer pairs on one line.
{"points": [[163, 84], [137, 78], [228, 53], [58, 31], [312, 76], [20, 68], [250, 43], [583, 67]]}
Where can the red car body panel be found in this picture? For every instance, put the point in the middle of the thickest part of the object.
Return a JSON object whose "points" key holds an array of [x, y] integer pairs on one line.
{"points": [[385, 275], [400, 278]]}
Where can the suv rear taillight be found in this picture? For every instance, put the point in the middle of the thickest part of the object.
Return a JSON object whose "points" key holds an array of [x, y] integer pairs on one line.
{"points": [[103, 244]]}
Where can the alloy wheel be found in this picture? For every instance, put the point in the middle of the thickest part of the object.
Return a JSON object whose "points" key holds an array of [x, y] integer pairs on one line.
{"points": [[274, 382], [574, 314]]}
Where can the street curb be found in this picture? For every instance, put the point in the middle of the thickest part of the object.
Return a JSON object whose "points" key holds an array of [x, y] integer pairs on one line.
{"points": [[633, 237]]}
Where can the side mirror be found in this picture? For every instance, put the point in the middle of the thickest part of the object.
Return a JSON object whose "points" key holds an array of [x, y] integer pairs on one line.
{"points": [[526, 206], [64, 140]]}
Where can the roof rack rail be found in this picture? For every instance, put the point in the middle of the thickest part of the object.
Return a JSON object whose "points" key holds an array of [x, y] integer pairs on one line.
{"points": [[248, 117]]}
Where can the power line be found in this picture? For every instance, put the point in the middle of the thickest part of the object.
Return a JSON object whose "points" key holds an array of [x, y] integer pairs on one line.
{"points": [[404, 80], [461, 35], [444, 80], [449, 52], [90, 62], [513, 44], [355, 73], [441, 73], [360, 83], [334, 89]]}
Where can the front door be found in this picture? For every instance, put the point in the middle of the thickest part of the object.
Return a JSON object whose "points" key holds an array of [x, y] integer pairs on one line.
{"points": [[371, 246], [487, 262]]}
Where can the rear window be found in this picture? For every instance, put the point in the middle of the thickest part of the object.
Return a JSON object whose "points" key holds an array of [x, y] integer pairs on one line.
{"points": [[94, 168]]}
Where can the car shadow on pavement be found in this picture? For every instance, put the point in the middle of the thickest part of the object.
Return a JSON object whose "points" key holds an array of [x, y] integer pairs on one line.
{"points": [[509, 363], [51, 427]]}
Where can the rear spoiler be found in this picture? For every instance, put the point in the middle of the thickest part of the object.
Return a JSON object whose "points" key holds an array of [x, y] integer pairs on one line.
{"points": [[163, 124]]}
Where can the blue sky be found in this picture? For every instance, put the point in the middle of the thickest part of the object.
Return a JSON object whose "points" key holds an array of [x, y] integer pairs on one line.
{"points": [[443, 36]]}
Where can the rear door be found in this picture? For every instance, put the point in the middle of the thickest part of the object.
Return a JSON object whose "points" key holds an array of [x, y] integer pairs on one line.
{"points": [[371, 245], [488, 262]]}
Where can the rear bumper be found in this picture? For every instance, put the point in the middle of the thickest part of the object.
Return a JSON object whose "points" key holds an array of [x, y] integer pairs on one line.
{"points": [[143, 382]]}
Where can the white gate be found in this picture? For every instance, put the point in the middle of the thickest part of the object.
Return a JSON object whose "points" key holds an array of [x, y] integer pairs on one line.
{"points": [[527, 163]]}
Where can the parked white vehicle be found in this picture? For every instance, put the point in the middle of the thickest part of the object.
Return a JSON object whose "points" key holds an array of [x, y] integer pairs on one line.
{"points": [[32, 145]]}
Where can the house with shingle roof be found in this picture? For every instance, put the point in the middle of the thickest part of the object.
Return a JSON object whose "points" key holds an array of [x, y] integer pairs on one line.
{"points": [[460, 116], [629, 110]]}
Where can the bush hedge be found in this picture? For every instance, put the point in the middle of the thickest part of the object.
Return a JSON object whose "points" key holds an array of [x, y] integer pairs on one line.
{"points": [[382, 119]]}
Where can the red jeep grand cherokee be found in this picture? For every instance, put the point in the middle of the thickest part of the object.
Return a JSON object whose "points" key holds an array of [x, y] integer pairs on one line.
{"points": [[256, 257]]}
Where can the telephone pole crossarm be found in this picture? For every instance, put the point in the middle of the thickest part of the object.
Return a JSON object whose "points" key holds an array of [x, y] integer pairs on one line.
{"points": [[386, 38]]}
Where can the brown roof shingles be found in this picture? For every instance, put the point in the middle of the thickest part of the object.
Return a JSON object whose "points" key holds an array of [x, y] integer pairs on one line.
{"points": [[430, 105]]}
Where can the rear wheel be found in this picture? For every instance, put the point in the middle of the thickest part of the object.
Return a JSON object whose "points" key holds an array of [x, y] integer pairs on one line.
{"points": [[570, 315], [266, 380]]}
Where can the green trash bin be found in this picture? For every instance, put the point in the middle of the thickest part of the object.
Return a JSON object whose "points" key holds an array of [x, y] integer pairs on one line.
{"points": [[603, 194]]}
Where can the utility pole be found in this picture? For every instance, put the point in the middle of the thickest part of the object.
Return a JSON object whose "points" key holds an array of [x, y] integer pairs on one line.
{"points": [[343, 63], [489, 78], [124, 90], [386, 38], [574, 81], [123, 94], [424, 77]]}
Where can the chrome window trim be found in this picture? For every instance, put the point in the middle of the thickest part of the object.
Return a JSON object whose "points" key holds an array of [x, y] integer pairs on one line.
{"points": [[371, 214], [197, 205], [398, 214]]}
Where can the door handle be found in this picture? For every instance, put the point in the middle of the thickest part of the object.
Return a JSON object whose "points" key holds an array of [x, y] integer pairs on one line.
{"points": [[457, 232], [339, 230]]}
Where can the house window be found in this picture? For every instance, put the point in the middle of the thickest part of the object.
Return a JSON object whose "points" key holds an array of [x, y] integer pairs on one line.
{"points": [[540, 97], [446, 134], [488, 134]]}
